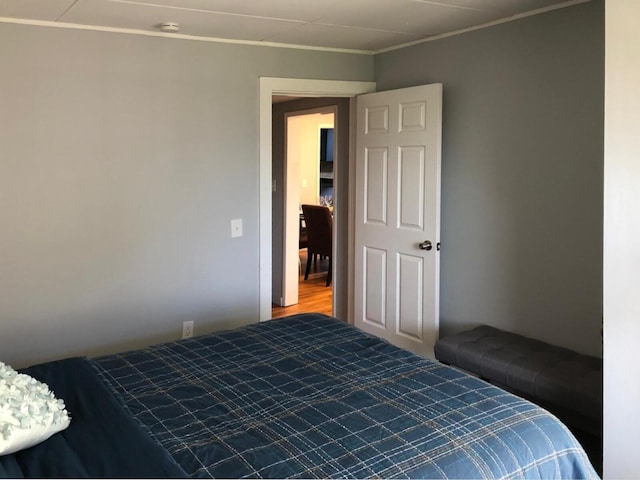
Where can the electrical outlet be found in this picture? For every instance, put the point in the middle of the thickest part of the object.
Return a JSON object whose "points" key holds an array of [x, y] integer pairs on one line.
{"points": [[187, 329]]}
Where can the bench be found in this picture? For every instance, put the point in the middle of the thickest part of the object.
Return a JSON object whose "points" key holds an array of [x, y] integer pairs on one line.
{"points": [[564, 382]]}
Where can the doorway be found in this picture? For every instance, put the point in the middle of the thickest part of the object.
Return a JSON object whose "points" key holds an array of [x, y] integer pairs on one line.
{"points": [[271, 184], [308, 180]]}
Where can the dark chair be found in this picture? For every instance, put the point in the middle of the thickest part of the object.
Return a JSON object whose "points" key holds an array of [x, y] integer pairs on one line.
{"points": [[319, 235]]}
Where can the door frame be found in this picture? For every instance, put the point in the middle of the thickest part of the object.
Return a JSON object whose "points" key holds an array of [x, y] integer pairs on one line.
{"points": [[269, 86]]}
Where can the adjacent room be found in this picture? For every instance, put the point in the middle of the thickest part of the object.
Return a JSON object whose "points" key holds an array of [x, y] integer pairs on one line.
{"points": [[304, 282], [151, 213]]}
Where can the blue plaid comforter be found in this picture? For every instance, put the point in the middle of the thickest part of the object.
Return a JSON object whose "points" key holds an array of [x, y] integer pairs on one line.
{"points": [[309, 396]]}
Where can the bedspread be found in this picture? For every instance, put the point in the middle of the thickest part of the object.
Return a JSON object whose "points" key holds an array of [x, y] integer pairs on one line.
{"points": [[309, 396], [102, 441]]}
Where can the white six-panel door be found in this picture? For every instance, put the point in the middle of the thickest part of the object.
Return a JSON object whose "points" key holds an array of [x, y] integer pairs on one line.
{"points": [[397, 224]]}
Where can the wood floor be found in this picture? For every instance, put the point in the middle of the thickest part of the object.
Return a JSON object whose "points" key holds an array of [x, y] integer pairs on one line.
{"points": [[313, 294]]}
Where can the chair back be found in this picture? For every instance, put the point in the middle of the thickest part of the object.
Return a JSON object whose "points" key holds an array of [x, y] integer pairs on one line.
{"points": [[302, 234], [319, 228]]}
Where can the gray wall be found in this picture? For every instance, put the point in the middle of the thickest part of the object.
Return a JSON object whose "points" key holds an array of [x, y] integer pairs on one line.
{"points": [[522, 172], [123, 159]]}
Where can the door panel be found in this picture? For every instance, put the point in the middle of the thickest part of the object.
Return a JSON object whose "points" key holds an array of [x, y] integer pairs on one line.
{"points": [[411, 175], [377, 120], [376, 185], [409, 314], [413, 117], [374, 284], [397, 208]]}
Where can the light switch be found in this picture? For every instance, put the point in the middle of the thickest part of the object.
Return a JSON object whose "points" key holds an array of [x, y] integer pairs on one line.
{"points": [[304, 183], [236, 227]]}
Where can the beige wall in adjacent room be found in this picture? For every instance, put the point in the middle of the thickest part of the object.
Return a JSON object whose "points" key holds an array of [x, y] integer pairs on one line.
{"points": [[307, 148]]}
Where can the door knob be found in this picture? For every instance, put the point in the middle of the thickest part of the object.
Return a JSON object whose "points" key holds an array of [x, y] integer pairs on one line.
{"points": [[426, 245]]}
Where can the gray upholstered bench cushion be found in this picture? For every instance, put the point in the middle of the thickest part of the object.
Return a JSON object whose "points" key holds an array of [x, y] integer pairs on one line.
{"points": [[546, 374]]}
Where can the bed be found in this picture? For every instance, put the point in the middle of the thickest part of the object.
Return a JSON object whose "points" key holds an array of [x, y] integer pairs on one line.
{"points": [[306, 396]]}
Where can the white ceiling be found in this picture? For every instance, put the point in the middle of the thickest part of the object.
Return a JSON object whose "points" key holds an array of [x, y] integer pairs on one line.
{"points": [[366, 25]]}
